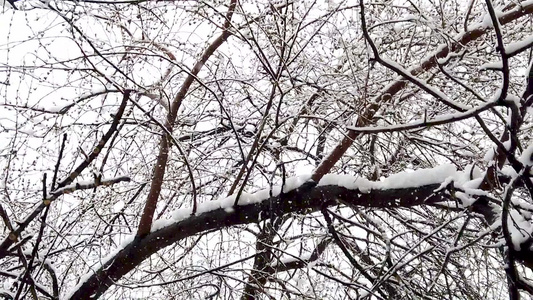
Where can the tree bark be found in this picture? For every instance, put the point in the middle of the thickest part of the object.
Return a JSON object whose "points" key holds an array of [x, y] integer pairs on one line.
{"points": [[306, 199]]}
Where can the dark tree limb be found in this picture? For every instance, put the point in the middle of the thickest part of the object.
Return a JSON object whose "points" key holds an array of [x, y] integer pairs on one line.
{"points": [[308, 198]]}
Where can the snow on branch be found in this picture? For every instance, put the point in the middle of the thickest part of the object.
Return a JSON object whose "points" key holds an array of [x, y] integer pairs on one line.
{"points": [[439, 120], [517, 47], [402, 180], [405, 189], [86, 185]]}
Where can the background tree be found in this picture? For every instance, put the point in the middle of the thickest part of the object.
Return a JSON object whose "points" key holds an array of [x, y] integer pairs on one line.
{"points": [[258, 150]]}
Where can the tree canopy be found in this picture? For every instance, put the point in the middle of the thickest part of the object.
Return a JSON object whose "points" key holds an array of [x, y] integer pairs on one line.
{"points": [[305, 149]]}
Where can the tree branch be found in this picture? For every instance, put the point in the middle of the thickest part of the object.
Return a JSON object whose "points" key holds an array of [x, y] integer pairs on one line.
{"points": [[306, 199], [147, 216]]}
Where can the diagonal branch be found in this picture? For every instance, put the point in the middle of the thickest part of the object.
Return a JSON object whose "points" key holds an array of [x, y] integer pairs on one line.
{"points": [[307, 198], [439, 120], [147, 216]]}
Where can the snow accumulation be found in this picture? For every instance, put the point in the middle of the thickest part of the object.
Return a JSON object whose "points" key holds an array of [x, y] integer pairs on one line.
{"points": [[489, 155], [290, 258], [406, 179], [518, 222], [487, 21], [517, 46], [468, 181], [443, 174], [491, 66], [527, 156], [227, 203], [83, 184], [520, 229]]}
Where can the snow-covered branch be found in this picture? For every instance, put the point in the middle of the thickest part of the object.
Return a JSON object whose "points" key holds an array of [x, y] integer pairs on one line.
{"points": [[86, 185], [406, 189], [426, 123]]}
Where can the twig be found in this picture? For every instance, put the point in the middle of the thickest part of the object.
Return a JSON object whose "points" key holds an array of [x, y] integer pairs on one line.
{"points": [[439, 120], [85, 186], [58, 163]]}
